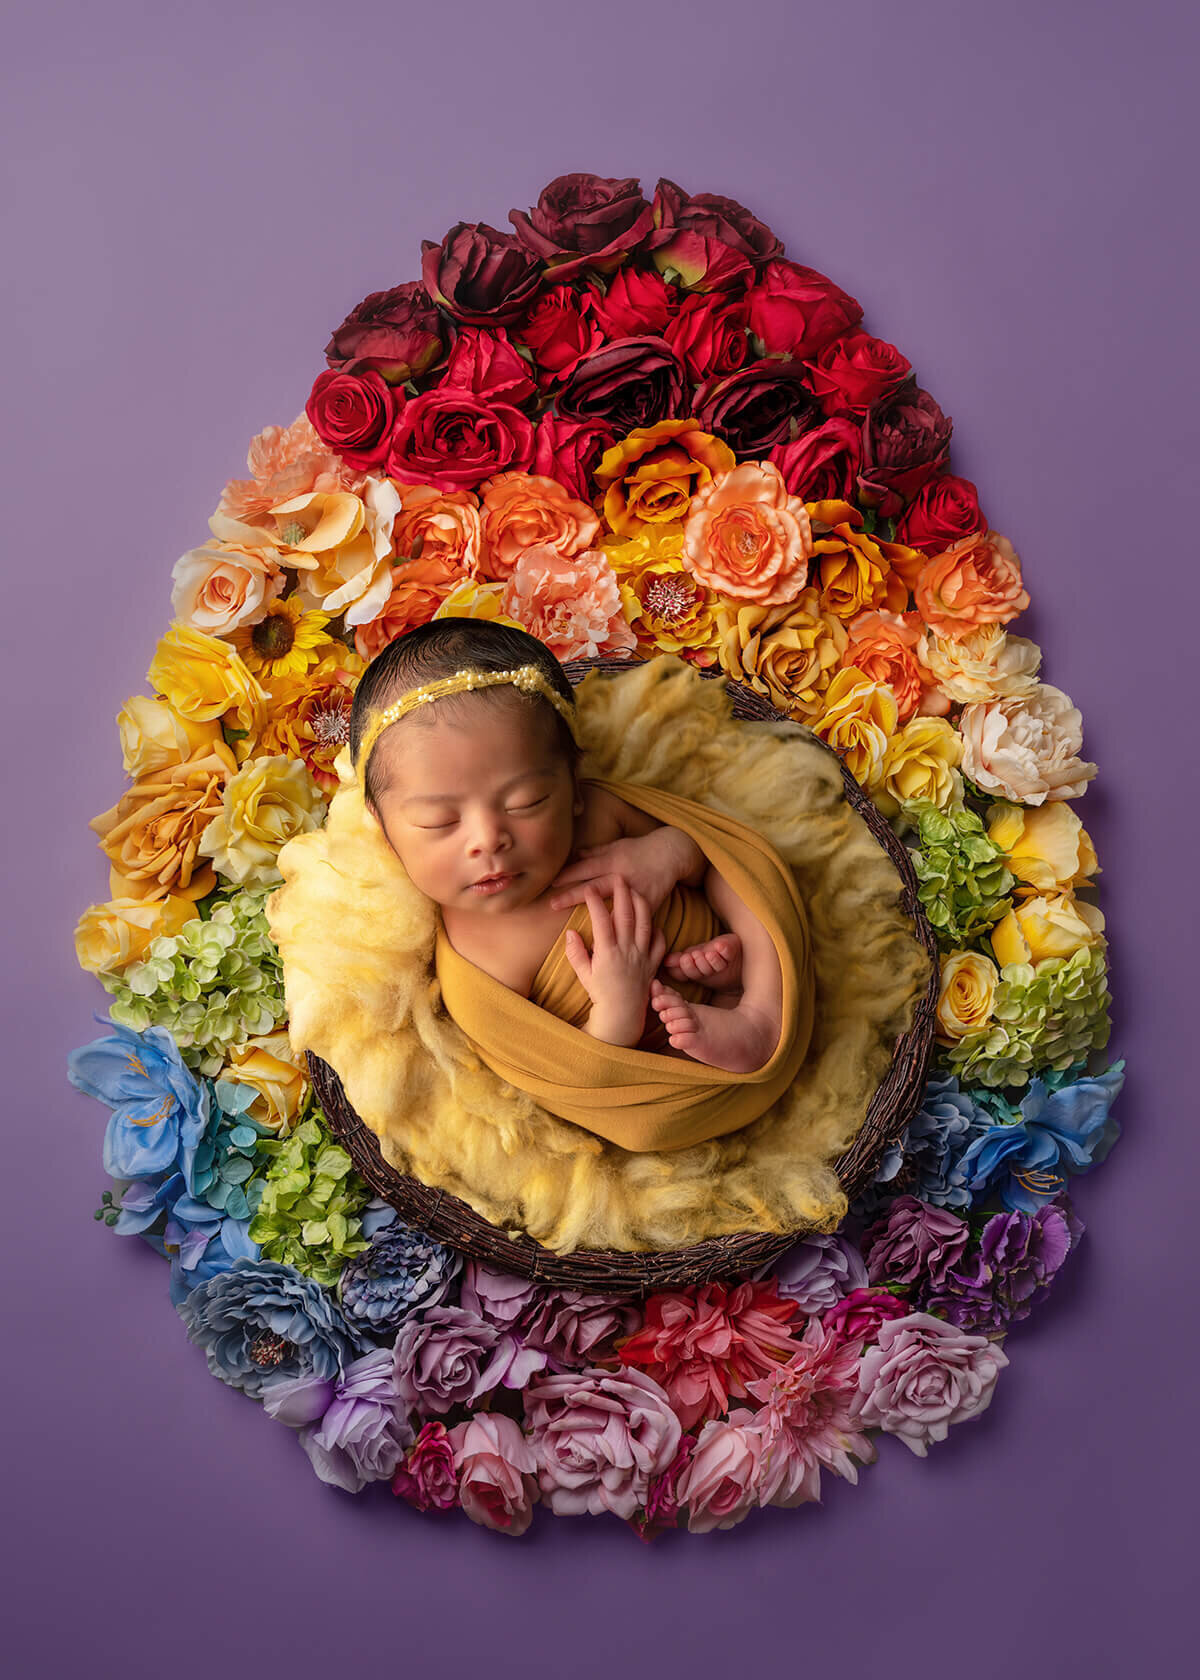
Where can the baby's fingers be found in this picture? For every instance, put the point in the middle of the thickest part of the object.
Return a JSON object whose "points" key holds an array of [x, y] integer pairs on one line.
{"points": [[578, 956], [658, 948]]}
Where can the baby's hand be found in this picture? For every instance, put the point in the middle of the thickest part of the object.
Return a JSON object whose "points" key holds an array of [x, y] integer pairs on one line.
{"points": [[650, 863], [626, 952]]}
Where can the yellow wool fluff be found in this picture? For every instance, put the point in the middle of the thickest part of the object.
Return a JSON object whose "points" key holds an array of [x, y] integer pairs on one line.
{"points": [[357, 938]]}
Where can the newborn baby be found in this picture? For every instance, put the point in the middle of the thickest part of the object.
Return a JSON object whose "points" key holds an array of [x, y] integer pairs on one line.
{"points": [[478, 794]]}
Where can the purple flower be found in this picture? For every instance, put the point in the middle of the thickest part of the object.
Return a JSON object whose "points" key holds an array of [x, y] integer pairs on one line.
{"points": [[818, 1271], [571, 1327], [360, 1433], [450, 1357], [602, 1438], [923, 1376], [915, 1243], [1018, 1257]]}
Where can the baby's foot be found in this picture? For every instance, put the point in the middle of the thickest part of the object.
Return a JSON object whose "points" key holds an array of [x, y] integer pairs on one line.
{"points": [[716, 964], [737, 1040]]}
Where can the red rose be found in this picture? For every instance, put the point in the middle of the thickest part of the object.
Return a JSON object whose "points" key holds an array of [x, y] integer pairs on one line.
{"points": [[634, 382], [570, 451], [489, 366], [822, 465], [584, 221], [945, 510], [767, 403], [638, 304], [559, 333], [856, 371], [480, 275], [708, 334], [398, 334], [353, 414], [708, 242], [453, 439], [798, 311], [905, 442]]}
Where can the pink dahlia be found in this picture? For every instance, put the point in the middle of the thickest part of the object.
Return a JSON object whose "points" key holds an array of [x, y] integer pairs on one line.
{"points": [[809, 1418]]}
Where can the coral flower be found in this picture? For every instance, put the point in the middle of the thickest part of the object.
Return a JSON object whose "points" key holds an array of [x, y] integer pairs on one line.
{"points": [[219, 587], [885, 647], [574, 606], [523, 511], [748, 538], [418, 588], [651, 476], [976, 581], [285, 461], [438, 525], [284, 642]]}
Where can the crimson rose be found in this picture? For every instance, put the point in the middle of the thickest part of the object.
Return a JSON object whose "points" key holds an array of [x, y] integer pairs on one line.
{"points": [[584, 221], [708, 334], [634, 382], [398, 334], [480, 275], [487, 364], [759, 406], [570, 451], [856, 371], [453, 439], [822, 465], [797, 311], [559, 333], [353, 414], [709, 242], [943, 511], [904, 443], [638, 304]]}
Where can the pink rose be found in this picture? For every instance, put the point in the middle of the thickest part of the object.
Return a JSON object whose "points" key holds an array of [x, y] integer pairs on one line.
{"points": [[496, 1472], [573, 605], [427, 1477], [722, 1482], [601, 1439], [923, 1376]]}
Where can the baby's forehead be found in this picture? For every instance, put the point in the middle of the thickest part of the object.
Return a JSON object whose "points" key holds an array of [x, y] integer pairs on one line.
{"points": [[508, 739]]}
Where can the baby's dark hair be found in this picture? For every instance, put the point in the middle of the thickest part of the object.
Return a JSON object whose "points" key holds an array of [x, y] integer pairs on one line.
{"points": [[438, 649]]}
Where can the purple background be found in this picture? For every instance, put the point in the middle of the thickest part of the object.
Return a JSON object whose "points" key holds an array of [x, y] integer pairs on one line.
{"points": [[200, 194]]}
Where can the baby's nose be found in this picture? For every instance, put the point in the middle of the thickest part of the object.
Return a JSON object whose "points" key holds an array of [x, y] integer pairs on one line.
{"points": [[488, 834]]}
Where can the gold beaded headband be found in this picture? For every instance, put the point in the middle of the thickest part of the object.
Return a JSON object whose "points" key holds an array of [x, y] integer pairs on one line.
{"points": [[526, 677]]}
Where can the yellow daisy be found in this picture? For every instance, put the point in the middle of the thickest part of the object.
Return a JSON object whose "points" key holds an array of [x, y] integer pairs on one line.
{"points": [[285, 641]]}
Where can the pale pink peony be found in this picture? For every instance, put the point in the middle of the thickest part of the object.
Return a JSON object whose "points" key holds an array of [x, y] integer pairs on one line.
{"points": [[923, 1376], [723, 1479], [285, 461], [809, 1418], [219, 587], [496, 1472], [1026, 746], [985, 664], [574, 606], [746, 537], [601, 1438]]}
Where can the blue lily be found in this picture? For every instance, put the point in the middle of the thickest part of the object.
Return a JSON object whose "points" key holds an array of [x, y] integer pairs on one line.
{"points": [[1069, 1130], [159, 1111]]}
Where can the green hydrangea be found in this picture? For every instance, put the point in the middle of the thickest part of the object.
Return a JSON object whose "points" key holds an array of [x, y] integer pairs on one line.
{"points": [[308, 1213], [214, 984], [963, 881], [1045, 1019]]}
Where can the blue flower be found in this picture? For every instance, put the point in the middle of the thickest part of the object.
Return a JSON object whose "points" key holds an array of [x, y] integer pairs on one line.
{"points": [[1024, 1163], [402, 1270], [198, 1240], [160, 1113], [927, 1162]]}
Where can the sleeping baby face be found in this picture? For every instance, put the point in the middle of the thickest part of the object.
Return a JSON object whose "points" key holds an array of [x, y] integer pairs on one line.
{"points": [[479, 804]]}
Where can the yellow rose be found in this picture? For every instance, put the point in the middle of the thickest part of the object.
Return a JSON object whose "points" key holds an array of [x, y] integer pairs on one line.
{"points": [[1043, 927], [269, 1065], [204, 679], [265, 804], [476, 600], [1047, 847], [108, 937], [152, 835], [651, 476], [920, 764], [968, 994], [154, 735], [785, 652], [858, 720], [854, 571]]}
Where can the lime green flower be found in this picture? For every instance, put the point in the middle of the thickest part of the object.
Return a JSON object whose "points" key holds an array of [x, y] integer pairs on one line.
{"points": [[308, 1215], [1044, 1019], [963, 882]]}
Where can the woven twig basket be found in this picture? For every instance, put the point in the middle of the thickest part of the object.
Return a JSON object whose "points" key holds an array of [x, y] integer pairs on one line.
{"points": [[613, 1271]]}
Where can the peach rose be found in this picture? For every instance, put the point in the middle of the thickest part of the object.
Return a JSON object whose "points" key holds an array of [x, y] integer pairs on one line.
{"points": [[885, 646], [981, 665], [651, 476], [1048, 848], [574, 606], [439, 525], [108, 937], [920, 763], [975, 581], [522, 511], [151, 836], [788, 653], [746, 537], [268, 802], [154, 735], [218, 588], [968, 995], [268, 1064], [418, 588], [285, 461], [204, 679], [1046, 926], [310, 715], [1026, 747], [858, 719], [855, 573]]}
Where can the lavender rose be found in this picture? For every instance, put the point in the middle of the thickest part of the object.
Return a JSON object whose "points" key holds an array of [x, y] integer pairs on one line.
{"points": [[601, 1438], [915, 1243], [571, 1327], [924, 1375], [364, 1432], [450, 1357], [818, 1271]]}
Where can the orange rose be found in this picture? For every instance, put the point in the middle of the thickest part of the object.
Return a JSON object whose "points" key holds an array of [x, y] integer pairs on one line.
{"points": [[884, 646], [152, 835], [522, 511], [439, 525], [788, 653], [976, 581], [855, 572], [418, 589], [652, 475], [747, 538]]}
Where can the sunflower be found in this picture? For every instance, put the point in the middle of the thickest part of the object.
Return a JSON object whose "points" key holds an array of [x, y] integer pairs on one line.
{"points": [[285, 641]]}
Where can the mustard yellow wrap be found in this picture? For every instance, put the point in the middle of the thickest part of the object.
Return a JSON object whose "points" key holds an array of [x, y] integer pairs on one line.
{"points": [[357, 941], [638, 1098]]}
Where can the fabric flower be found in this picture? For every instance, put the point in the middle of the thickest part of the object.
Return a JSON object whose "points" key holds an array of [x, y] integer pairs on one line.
{"points": [[968, 994], [267, 802], [975, 581], [310, 718], [155, 736], [108, 937], [418, 589], [809, 1418], [558, 332], [722, 1481], [855, 571], [1070, 1129], [451, 1357], [363, 1432], [708, 334], [489, 365], [964, 885], [198, 1239], [159, 1111], [350, 551], [1026, 748], [353, 413], [308, 1213], [821, 464], [217, 589], [634, 382], [857, 719], [451, 439], [1055, 925], [402, 1270], [921, 764], [152, 835], [943, 511], [396, 333], [584, 221], [600, 1438], [857, 372], [274, 1082], [284, 461], [427, 1478], [652, 475], [789, 653], [797, 311], [668, 609], [857, 1316], [905, 441], [661, 1509], [204, 679], [884, 646], [439, 526], [1047, 849], [571, 1326], [983, 664], [757, 408], [817, 1271], [1010, 1272], [570, 451], [914, 1243], [637, 304], [480, 275], [521, 511], [923, 1376], [707, 241], [1045, 1019], [496, 1468], [469, 599], [574, 606], [747, 538], [284, 642]]}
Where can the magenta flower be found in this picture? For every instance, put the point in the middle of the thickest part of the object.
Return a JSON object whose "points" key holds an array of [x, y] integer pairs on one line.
{"points": [[809, 1418], [857, 1316], [916, 1243], [427, 1477]]}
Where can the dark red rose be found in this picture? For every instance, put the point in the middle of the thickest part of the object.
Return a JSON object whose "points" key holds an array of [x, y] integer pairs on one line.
{"points": [[398, 334], [797, 311], [559, 333], [570, 450], [767, 403], [708, 243], [943, 511], [822, 465], [708, 334], [353, 414], [905, 442], [857, 371], [635, 382], [489, 365], [454, 440], [584, 221], [480, 275], [638, 304]]}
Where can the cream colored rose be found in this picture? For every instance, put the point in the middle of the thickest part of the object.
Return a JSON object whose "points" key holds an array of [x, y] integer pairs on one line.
{"points": [[1026, 747], [968, 994], [858, 719], [218, 588], [1046, 926], [265, 804], [151, 836], [985, 664], [108, 937], [1047, 848], [154, 735], [270, 1066], [920, 763]]}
